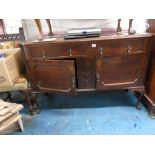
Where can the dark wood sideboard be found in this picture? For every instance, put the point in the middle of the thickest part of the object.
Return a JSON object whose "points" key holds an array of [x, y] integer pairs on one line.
{"points": [[108, 62]]}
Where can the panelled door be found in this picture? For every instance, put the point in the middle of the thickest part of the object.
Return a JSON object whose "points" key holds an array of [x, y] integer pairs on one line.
{"points": [[53, 76], [120, 72]]}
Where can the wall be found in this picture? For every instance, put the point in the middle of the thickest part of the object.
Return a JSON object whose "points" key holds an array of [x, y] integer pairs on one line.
{"points": [[32, 32]]}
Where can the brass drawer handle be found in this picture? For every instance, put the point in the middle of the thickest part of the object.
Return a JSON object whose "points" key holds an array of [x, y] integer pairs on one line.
{"points": [[98, 78], [44, 54], [101, 50], [129, 49], [70, 52], [73, 82]]}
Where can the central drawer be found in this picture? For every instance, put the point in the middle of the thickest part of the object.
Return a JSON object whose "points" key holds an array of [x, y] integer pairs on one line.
{"points": [[56, 51]]}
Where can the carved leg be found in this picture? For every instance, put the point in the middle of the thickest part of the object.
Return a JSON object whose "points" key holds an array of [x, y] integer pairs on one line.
{"points": [[139, 92], [36, 107], [139, 104], [139, 96], [9, 97], [28, 99]]}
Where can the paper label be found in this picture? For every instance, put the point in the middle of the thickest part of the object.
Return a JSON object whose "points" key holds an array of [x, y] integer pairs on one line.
{"points": [[93, 45]]}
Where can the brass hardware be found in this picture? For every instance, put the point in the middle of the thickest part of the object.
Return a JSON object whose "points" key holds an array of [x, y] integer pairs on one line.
{"points": [[129, 49], [98, 78], [73, 82], [70, 52], [101, 50], [44, 54]]}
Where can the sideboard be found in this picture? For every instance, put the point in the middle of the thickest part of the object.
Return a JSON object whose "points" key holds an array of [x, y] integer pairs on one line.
{"points": [[111, 61]]}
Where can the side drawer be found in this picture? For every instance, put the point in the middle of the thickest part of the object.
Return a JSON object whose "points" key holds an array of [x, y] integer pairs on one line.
{"points": [[55, 51], [107, 47], [114, 48]]}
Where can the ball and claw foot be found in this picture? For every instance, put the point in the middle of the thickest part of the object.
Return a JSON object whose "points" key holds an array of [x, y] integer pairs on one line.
{"points": [[139, 106], [31, 112], [139, 95], [35, 109]]}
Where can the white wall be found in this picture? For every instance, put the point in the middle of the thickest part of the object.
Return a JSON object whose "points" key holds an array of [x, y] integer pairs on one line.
{"points": [[31, 31]]}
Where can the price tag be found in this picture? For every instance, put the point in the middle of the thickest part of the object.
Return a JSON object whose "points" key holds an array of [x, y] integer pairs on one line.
{"points": [[93, 45]]}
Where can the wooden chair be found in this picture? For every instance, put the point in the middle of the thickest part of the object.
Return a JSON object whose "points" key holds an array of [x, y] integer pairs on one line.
{"points": [[22, 83]]}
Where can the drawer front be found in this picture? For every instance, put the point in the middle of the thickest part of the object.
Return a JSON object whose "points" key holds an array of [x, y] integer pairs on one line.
{"points": [[56, 51], [121, 47]]}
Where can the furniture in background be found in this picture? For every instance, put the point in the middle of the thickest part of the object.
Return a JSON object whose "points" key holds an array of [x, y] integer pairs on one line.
{"points": [[22, 85], [39, 26], [149, 97], [130, 29], [111, 61], [50, 27], [13, 37], [9, 41], [9, 115]]}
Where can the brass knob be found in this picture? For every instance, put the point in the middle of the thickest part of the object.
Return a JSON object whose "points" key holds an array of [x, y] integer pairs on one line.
{"points": [[44, 55], [73, 82], [129, 48], [101, 50], [70, 52]]}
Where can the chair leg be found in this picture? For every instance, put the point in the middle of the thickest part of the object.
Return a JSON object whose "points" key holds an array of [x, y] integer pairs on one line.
{"points": [[28, 99], [9, 97], [31, 99], [36, 106]]}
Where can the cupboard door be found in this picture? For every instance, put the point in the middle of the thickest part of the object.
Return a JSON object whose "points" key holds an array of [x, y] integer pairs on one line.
{"points": [[120, 72], [54, 76]]}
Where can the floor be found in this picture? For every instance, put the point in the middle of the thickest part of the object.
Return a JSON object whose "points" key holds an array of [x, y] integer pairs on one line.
{"points": [[90, 113]]}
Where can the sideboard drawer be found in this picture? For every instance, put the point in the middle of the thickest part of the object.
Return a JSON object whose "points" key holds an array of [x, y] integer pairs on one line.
{"points": [[56, 51], [108, 48], [116, 48]]}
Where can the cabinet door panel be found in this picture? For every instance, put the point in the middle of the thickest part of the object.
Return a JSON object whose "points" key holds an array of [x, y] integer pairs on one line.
{"points": [[120, 72], [55, 76]]}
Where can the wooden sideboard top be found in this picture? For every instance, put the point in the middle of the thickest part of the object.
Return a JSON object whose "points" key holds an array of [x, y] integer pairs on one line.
{"points": [[104, 36]]}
